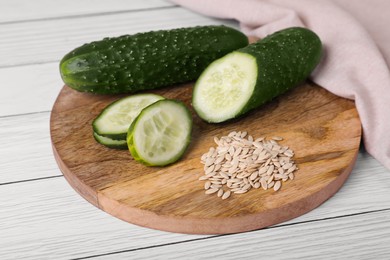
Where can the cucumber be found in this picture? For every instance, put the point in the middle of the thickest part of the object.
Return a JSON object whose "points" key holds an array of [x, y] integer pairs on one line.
{"points": [[114, 121], [161, 133], [110, 143], [251, 76], [149, 60]]}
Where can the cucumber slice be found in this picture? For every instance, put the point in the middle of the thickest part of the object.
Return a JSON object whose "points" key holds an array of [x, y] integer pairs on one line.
{"points": [[251, 76], [110, 143], [225, 87], [114, 121], [161, 133]]}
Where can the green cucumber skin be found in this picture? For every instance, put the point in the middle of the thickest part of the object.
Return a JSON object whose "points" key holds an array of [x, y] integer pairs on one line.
{"points": [[284, 59], [149, 60], [110, 145]]}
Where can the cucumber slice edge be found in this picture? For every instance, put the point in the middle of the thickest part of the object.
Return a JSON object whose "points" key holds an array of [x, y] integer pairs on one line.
{"points": [[134, 143], [120, 134], [110, 143]]}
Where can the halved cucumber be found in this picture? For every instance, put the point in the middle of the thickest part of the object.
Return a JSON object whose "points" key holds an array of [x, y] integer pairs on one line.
{"points": [[161, 133], [110, 143], [224, 89], [251, 76], [114, 121]]}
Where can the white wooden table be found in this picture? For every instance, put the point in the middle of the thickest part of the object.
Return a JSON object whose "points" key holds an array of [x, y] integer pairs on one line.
{"points": [[42, 217]]}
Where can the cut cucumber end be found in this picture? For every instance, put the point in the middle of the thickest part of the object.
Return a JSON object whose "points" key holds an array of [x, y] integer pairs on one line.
{"points": [[225, 87], [114, 121], [161, 133]]}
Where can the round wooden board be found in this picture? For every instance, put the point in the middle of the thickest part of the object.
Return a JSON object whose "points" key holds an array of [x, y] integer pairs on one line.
{"points": [[323, 130]]}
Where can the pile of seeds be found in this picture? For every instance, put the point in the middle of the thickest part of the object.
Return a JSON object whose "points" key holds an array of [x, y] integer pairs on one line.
{"points": [[240, 163]]}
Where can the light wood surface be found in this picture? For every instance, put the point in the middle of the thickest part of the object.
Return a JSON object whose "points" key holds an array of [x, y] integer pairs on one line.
{"points": [[41, 217], [322, 129], [42, 41]]}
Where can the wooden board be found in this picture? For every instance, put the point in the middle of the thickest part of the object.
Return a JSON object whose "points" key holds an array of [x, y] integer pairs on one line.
{"points": [[322, 129]]}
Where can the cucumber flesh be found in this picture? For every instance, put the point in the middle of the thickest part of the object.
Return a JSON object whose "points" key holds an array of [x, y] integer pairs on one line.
{"points": [[225, 87], [114, 121], [110, 143], [251, 76], [161, 133]]}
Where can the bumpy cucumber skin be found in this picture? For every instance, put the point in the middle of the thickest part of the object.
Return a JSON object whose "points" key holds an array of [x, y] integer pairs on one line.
{"points": [[284, 59], [150, 60], [130, 136]]}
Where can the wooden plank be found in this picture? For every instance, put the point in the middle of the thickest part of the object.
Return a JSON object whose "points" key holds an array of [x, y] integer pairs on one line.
{"points": [[47, 218], [29, 89], [364, 236], [368, 184], [25, 151], [22, 10], [43, 41]]}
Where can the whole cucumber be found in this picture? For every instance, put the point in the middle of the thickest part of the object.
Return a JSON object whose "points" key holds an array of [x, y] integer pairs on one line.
{"points": [[251, 76], [148, 60]]}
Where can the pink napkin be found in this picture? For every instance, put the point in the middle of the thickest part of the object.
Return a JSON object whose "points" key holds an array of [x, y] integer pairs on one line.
{"points": [[356, 38]]}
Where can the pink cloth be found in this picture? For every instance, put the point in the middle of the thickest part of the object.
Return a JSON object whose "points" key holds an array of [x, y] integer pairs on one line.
{"points": [[356, 38]]}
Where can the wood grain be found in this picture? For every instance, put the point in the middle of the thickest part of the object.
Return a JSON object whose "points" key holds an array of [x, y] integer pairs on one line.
{"points": [[340, 238], [322, 129], [48, 218], [25, 151], [45, 218], [41, 80], [22, 10], [42, 41]]}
